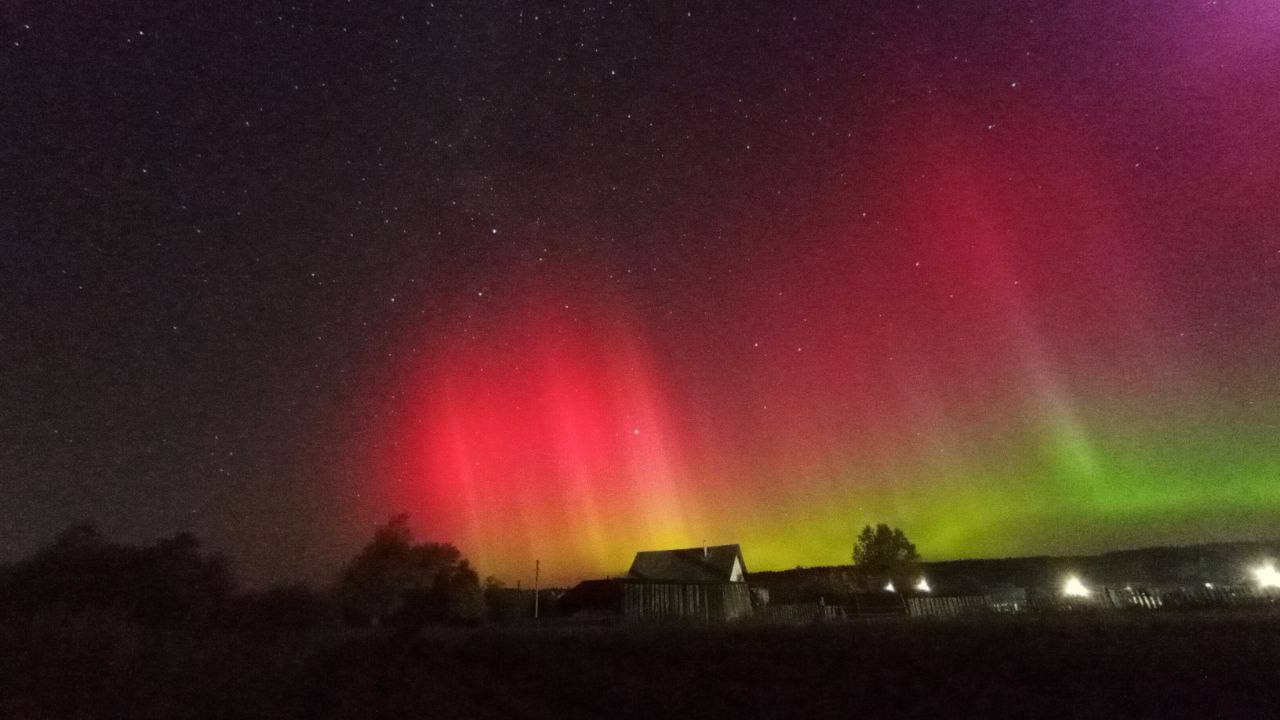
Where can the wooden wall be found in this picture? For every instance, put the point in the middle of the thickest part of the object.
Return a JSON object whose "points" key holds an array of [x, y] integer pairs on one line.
{"points": [[707, 602]]}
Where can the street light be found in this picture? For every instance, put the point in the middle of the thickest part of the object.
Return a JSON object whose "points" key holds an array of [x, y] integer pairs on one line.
{"points": [[923, 586], [1267, 576], [1074, 588], [890, 588]]}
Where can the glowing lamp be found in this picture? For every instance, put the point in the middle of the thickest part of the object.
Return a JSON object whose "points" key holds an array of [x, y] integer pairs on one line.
{"points": [[1074, 588], [890, 588], [923, 586], [1267, 576]]}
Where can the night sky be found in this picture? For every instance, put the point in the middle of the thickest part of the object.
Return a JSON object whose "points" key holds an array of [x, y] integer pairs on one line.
{"points": [[567, 281]]}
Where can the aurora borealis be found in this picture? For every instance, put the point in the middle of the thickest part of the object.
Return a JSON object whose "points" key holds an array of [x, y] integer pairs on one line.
{"points": [[565, 283]]}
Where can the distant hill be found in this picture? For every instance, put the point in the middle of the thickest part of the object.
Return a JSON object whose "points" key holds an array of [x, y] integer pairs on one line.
{"points": [[1219, 563]]}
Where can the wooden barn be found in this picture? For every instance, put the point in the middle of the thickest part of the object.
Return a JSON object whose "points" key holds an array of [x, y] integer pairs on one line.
{"points": [[705, 584]]}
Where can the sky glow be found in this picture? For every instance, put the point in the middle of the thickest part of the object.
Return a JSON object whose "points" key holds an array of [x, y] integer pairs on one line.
{"points": [[1027, 322], [568, 281]]}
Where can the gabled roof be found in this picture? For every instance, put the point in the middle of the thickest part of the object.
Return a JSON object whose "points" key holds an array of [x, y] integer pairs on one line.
{"points": [[689, 565]]}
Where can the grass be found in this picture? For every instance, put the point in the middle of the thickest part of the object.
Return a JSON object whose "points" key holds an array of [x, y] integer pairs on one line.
{"points": [[1128, 664]]}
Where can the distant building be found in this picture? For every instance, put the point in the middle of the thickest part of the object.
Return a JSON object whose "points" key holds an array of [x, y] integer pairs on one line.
{"points": [[825, 593], [701, 584], [593, 598]]}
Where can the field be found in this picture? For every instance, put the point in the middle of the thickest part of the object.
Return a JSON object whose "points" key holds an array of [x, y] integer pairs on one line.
{"points": [[1106, 665]]}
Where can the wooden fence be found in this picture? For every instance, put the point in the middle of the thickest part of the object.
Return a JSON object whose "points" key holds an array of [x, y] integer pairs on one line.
{"points": [[800, 613], [1158, 598], [948, 605]]}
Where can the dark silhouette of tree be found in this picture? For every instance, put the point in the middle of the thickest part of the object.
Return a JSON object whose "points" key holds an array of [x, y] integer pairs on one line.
{"points": [[886, 552], [395, 581], [464, 596], [77, 538], [80, 570]]}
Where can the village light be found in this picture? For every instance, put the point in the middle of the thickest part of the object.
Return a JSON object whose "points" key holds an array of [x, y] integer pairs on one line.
{"points": [[1074, 588], [1267, 576], [923, 586], [890, 588]]}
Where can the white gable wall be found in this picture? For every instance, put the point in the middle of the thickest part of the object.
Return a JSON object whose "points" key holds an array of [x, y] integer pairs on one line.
{"points": [[735, 575]]}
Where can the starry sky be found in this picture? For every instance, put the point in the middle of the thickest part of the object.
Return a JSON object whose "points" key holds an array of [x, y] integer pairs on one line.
{"points": [[564, 281]]}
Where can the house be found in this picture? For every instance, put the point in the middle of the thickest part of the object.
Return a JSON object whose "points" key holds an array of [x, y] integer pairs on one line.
{"points": [[703, 584], [824, 593]]}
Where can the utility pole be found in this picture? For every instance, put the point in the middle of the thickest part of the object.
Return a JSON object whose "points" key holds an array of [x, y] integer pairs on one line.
{"points": [[537, 568]]}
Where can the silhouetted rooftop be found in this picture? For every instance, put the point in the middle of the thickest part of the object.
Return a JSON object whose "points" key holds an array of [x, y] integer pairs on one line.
{"points": [[709, 564]]}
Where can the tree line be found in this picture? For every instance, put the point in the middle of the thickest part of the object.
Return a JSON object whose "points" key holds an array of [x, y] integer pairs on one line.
{"points": [[394, 581]]}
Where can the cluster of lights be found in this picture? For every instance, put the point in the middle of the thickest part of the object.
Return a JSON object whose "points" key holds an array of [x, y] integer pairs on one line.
{"points": [[1266, 576], [921, 586]]}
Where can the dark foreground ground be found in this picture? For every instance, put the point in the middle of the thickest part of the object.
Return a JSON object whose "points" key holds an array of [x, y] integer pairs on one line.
{"points": [[1115, 665]]}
